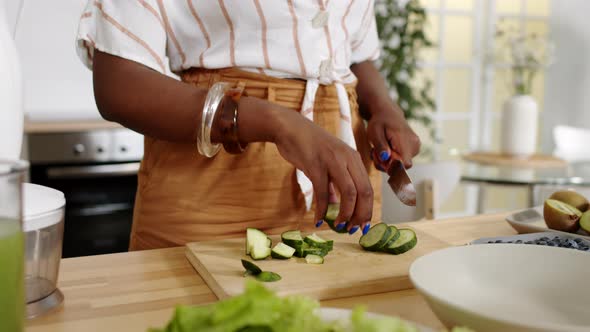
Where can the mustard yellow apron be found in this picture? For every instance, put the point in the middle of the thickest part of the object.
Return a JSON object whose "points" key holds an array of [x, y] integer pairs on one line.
{"points": [[184, 197]]}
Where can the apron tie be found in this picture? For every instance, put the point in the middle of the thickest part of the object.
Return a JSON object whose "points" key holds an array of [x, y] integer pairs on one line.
{"points": [[346, 133]]}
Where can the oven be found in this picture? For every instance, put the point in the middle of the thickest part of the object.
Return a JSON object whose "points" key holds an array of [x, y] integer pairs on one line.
{"points": [[97, 172]]}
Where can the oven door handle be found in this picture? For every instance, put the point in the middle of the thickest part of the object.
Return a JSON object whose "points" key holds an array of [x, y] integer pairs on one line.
{"points": [[93, 171], [99, 210]]}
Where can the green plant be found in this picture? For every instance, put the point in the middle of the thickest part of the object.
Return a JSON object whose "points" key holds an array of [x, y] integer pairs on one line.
{"points": [[401, 26]]}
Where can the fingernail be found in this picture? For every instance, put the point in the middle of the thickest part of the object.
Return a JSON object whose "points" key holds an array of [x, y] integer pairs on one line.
{"points": [[319, 223], [353, 230], [341, 226], [384, 156], [366, 228]]}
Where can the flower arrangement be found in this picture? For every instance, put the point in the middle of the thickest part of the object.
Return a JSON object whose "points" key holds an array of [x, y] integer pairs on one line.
{"points": [[525, 54], [401, 26]]}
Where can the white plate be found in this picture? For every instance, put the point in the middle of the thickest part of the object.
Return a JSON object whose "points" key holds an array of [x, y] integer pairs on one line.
{"points": [[491, 287], [337, 314], [531, 221]]}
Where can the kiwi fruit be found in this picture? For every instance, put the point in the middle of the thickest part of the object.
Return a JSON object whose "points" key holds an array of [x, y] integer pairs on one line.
{"points": [[585, 222], [572, 198], [561, 216]]}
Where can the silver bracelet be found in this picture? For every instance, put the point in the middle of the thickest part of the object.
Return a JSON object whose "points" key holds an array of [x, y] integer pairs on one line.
{"points": [[214, 97]]}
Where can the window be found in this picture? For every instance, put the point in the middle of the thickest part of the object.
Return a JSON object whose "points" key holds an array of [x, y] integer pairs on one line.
{"points": [[468, 90]]}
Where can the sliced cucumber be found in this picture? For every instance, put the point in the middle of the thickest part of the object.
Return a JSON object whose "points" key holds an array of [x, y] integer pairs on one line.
{"points": [[392, 237], [314, 259], [259, 252], [255, 237], [406, 241], [251, 267], [268, 242], [300, 251], [292, 238], [331, 215], [315, 251], [267, 276], [316, 241], [376, 237], [282, 251]]}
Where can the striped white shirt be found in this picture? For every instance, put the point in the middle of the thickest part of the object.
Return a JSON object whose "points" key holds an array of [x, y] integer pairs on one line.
{"points": [[315, 40]]}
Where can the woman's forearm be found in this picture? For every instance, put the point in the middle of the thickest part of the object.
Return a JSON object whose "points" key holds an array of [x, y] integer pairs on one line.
{"points": [[158, 106], [373, 93]]}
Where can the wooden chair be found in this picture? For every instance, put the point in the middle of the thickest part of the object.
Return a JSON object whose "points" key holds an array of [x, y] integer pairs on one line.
{"points": [[434, 182]]}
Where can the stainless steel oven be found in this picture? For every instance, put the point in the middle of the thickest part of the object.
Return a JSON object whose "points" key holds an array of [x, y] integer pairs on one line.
{"points": [[97, 172]]}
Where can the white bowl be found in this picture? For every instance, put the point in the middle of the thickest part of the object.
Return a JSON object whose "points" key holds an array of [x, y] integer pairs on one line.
{"points": [[507, 287]]}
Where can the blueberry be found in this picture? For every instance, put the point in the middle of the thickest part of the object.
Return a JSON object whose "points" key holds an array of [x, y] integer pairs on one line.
{"points": [[518, 241], [490, 241], [528, 242], [578, 240], [498, 241], [542, 243], [551, 244], [585, 249], [544, 238], [508, 241]]}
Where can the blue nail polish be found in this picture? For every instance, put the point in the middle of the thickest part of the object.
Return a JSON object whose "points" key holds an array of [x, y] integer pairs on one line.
{"points": [[366, 228], [319, 223], [384, 156], [340, 226], [353, 230]]}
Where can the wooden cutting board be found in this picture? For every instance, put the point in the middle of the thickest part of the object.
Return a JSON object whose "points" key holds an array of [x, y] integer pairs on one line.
{"points": [[347, 270]]}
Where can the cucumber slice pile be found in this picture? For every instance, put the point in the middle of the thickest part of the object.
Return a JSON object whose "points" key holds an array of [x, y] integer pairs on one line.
{"points": [[258, 247], [376, 238], [389, 239]]}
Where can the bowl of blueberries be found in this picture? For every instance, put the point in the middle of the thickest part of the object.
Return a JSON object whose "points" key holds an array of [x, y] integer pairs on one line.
{"points": [[549, 239]]}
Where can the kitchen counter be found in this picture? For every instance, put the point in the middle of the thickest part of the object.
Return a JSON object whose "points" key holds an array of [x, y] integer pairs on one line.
{"points": [[136, 290], [31, 127]]}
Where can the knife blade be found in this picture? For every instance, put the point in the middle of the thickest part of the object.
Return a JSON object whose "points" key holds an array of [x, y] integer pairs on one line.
{"points": [[400, 183]]}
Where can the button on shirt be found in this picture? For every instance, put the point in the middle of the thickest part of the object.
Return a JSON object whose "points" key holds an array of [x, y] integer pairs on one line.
{"points": [[314, 40]]}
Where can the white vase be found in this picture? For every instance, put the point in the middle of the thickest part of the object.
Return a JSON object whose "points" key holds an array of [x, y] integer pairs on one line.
{"points": [[520, 119], [11, 94]]}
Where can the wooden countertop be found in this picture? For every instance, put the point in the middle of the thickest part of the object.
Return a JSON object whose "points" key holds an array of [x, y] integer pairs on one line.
{"points": [[136, 290], [31, 127]]}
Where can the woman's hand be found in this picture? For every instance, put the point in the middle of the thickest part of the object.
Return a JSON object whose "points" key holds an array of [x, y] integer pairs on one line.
{"points": [[326, 159], [389, 133], [388, 130]]}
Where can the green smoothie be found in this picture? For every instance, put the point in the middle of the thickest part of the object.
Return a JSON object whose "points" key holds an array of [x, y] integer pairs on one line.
{"points": [[12, 293]]}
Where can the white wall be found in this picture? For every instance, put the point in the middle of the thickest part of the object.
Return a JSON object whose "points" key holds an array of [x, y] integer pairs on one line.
{"points": [[11, 7], [567, 84]]}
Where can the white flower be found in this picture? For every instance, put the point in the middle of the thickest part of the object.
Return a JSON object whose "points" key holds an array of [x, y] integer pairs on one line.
{"points": [[402, 3], [398, 22], [381, 7], [402, 76], [394, 42]]}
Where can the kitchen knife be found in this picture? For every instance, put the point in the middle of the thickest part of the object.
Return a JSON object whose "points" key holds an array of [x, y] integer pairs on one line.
{"points": [[400, 183]]}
